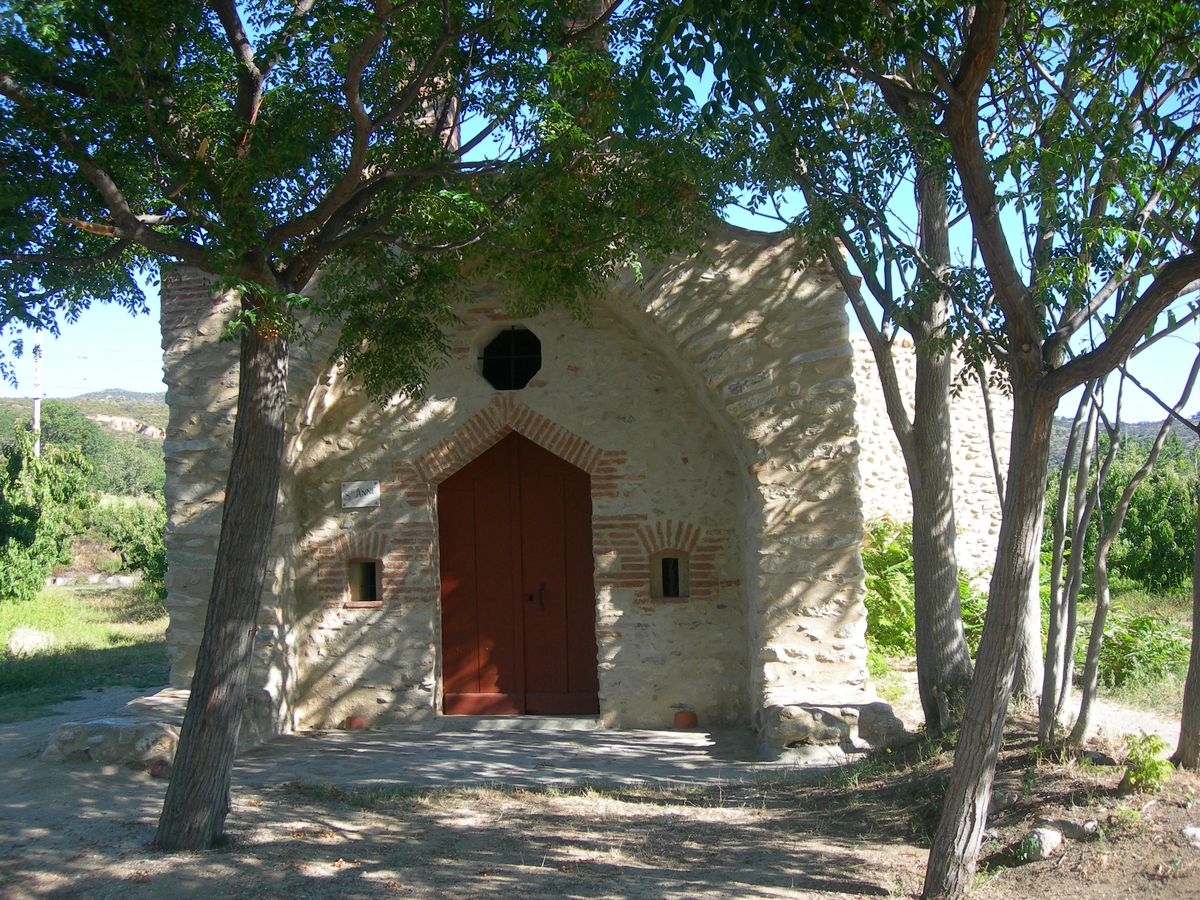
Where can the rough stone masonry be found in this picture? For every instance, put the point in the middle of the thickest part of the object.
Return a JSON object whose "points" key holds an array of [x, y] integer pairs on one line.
{"points": [[712, 409]]}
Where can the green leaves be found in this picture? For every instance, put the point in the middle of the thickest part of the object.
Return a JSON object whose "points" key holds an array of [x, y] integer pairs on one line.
{"points": [[888, 560], [40, 498], [429, 140]]}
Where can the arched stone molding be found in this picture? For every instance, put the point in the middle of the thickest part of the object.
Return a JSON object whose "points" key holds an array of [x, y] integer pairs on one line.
{"points": [[765, 342]]}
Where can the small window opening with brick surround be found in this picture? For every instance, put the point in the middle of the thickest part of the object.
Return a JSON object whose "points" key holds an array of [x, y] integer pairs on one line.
{"points": [[669, 575], [364, 582], [511, 359]]}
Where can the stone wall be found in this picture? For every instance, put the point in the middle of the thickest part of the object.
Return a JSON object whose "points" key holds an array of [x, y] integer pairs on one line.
{"points": [[884, 479], [713, 408], [201, 373]]}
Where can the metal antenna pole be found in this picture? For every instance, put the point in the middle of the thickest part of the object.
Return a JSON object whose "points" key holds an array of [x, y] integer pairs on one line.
{"points": [[37, 393]]}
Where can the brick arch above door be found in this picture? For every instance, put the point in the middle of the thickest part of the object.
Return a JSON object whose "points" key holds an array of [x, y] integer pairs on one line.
{"points": [[499, 418]]}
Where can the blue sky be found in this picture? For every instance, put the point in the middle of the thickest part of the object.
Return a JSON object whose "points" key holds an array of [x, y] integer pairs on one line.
{"points": [[108, 347]]}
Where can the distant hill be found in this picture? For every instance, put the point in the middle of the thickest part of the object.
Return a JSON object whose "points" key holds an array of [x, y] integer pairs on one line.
{"points": [[120, 395], [1143, 431], [114, 403]]}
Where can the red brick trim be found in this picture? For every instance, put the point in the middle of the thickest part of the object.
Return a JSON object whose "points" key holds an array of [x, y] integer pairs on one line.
{"points": [[183, 284], [506, 414], [185, 297], [405, 553], [634, 540], [668, 535]]}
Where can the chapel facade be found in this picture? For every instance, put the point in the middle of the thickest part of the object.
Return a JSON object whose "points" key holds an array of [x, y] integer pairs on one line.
{"points": [[652, 511]]}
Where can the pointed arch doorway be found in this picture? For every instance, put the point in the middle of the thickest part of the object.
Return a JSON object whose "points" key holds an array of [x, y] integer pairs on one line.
{"points": [[517, 595]]}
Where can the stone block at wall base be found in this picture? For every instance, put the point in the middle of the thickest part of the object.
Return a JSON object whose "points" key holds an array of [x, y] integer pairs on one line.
{"points": [[117, 740], [149, 730], [806, 729]]}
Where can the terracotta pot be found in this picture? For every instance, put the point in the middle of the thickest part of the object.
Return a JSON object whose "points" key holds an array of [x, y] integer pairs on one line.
{"points": [[685, 718]]}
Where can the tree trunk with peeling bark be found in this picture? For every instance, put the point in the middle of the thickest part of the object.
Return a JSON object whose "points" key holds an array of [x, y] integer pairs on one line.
{"points": [[943, 661], [964, 813], [1028, 676], [197, 800]]}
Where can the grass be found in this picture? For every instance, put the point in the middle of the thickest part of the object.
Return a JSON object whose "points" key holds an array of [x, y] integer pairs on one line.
{"points": [[1176, 606], [100, 637], [889, 684], [1162, 695]]}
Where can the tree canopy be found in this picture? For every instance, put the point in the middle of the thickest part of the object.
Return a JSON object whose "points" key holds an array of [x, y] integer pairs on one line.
{"points": [[390, 146], [1068, 138]]}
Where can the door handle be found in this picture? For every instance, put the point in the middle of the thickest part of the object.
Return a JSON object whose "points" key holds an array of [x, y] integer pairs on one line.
{"points": [[541, 596]]}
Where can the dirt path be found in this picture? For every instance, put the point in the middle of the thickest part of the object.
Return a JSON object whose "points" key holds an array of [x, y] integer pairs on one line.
{"points": [[85, 831], [75, 830]]}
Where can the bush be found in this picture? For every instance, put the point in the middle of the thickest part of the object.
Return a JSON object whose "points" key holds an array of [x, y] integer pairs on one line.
{"points": [[1158, 536], [891, 606], [888, 560], [1155, 545], [135, 531], [1145, 768], [40, 504], [1138, 647], [974, 610], [122, 463]]}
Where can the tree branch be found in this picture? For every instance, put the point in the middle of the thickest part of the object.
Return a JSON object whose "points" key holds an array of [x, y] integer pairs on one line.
{"points": [[250, 77], [1171, 281], [126, 221]]}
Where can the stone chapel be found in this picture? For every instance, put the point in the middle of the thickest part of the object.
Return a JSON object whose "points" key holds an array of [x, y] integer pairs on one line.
{"points": [[657, 510]]}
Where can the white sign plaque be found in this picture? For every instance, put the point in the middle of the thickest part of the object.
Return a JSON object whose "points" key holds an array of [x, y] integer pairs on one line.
{"points": [[360, 494]]}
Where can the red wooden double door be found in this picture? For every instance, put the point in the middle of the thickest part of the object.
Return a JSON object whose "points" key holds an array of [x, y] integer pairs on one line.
{"points": [[518, 604]]}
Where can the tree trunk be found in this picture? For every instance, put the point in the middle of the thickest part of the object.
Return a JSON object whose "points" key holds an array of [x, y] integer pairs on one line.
{"points": [[952, 858], [943, 661], [1082, 509], [197, 800], [1056, 669], [1091, 667], [1112, 528], [1027, 678], [1187, 754]]}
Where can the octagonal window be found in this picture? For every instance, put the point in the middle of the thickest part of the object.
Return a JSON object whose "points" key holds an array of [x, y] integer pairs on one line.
{"points": [[511, 359]]}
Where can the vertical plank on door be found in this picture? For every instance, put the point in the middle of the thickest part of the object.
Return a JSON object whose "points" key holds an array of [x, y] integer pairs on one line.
{"points": [[580, 589], [496, 552], [456, 537], [544, 570]]}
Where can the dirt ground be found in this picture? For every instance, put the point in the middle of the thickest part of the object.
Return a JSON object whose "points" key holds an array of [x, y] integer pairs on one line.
{"points": [[86, 831]]}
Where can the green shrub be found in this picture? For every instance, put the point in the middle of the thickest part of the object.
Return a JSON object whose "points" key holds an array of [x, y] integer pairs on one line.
{"points": [[40, 503], [135, 531], [1145, 768], [974, 610], [888, 560], [1155, 544], [122, 463], [891, 606], [1138, 647]]}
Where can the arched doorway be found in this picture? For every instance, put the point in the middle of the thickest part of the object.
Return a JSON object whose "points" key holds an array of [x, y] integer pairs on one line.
{"points": [[517, 597]]}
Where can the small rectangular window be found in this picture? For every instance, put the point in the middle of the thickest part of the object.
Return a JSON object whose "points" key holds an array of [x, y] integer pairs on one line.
{"points": [[670, 576], [363, 577]]}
